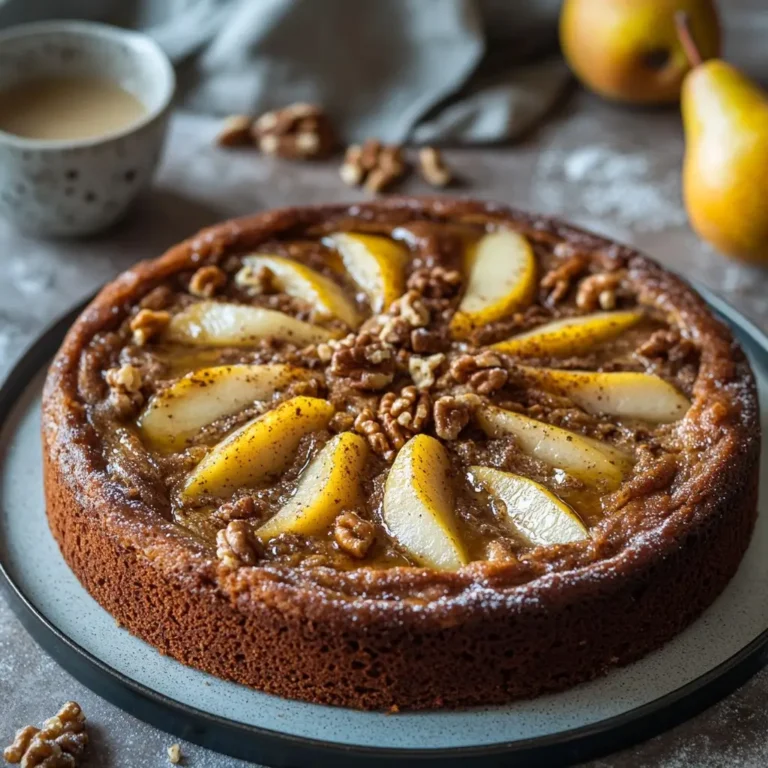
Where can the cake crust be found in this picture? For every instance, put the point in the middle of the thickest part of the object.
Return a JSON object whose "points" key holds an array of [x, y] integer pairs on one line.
{"points": [[378, 639]]}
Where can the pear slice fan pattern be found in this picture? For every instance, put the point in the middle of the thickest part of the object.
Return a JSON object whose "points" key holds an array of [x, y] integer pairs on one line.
{"points": [[394, 474]]}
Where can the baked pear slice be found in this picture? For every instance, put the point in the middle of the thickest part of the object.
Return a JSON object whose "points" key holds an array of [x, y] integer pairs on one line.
{"points": [[178, 412], [570, 336], [623, 394], [375, 263], [582, 457], [260, 449], [327, 299], [532, 510], [501, 279], [328, 485], [222, 324], [418, 505]]}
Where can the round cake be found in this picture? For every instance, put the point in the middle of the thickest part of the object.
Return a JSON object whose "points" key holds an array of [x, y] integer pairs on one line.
{"points": [[413, 453]]}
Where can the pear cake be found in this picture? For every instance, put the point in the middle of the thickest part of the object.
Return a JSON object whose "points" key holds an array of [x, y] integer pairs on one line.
{"points": [[404, 454]]}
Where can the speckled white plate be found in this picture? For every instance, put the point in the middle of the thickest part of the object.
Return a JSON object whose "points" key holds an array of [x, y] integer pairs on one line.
{"points": [[717, 653]]}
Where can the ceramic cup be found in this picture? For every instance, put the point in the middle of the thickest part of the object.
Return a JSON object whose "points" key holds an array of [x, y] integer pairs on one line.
{"points": [[78, 187]]}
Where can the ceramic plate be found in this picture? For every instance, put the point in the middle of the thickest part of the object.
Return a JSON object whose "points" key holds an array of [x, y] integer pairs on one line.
{"points": [[717, 653]]}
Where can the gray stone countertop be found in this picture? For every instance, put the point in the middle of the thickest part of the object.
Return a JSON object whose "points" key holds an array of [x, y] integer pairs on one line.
{"points": [[613, 170]]}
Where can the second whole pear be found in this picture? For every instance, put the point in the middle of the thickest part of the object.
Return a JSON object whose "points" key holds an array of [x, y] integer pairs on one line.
{"points": [[725, 171]]}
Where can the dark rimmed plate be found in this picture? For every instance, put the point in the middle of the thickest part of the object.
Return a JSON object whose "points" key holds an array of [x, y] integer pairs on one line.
{"points": [[715, 655]]}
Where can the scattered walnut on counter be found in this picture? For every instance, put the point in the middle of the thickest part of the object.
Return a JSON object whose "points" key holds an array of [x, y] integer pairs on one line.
{"points": [[353, 534], [236, 545], [374, 165], [174, 754], [390, 167], [296, 132], [433, 168], [352, 171], [58, 744], [148, 323], [206, 281], [451, 416], [236, 131]]}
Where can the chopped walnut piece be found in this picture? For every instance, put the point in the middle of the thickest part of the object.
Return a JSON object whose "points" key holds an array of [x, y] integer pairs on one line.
{"points": [[394, 330], [599, 291], [58, 744], [174, 754], [353, 534], [435, 283], [558, 280], [488, 380], [667, 344], [412, 309], [206, 281], [148, 323], [367, 425], [235, 131], [399, 417], [423, 340], [324, 352], [126, 377], [237, 546], [483, 372], [451, 416], [432, 167], [242, 509], [423, 369], [410, 408], [125, 396], [296, 132], [341, 421], [256, 281], [364, 361]]}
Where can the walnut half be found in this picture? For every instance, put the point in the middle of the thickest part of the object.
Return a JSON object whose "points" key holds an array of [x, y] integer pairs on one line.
{"points": [[353, 534], [296, 132], [58, 744]]}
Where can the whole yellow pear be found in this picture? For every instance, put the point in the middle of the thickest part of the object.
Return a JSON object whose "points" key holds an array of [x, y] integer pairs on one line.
{"points": [[628, 50], [725, 172]]}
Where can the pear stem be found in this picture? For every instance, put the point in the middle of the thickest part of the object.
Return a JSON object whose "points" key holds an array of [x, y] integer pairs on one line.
{"points": [[683, 24]]}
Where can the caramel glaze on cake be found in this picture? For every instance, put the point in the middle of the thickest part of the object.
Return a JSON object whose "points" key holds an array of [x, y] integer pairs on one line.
{"points": [[515, 622]]}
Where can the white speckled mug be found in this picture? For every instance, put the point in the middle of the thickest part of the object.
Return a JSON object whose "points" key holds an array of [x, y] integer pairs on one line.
{"points": [[78, 187]]}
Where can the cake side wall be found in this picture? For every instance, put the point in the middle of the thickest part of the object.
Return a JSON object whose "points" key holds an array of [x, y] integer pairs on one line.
{"points": [[569, 635]]}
